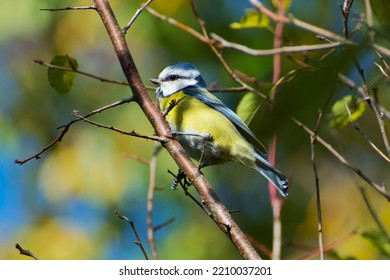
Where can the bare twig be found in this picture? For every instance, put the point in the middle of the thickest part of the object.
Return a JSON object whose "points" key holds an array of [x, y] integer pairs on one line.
{"points": [[164, 224], [373, 106], [25, 252], [138, 158], [150, 201], [51, 66], [137, 13], [387, 75], [179, 25], [372, 211], [357, 127], [345, 11], [181, 179], [317, 185], [233, 89], [138, 241], [369, 20], [69, 9], [66, 127], [352, 85], [281, 50], [129, 133]]}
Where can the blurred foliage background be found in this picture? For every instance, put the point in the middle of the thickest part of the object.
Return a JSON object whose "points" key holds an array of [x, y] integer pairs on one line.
{"points": [[62, 206]]}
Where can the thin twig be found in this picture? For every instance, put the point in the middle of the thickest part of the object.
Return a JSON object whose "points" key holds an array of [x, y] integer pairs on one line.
{"points": [[180, 25], [137, 158], [164, 224], [25, 252], [138, 241], [150, 201], [137, 13], [69, 9], [372, 211], [232, 89], [345, 11], [289, 49], [182, 181], [387, 75], [66, 127], [313, 141], [357, 127], [51, 66], [129, 133], [373, 106], [352, 85]]}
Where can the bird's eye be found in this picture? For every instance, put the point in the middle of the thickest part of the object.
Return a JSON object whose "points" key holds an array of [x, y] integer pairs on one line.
{"points": [[173, 77]]}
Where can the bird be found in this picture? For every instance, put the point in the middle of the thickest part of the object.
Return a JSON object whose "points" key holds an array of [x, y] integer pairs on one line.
{"points": [[207, 129]]}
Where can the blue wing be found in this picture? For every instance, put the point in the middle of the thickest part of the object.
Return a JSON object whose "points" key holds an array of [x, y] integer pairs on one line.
{"points": [[210, 100]]}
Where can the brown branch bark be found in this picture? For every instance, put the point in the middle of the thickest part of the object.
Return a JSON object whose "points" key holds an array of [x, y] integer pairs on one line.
{"points": [[219, 212]]}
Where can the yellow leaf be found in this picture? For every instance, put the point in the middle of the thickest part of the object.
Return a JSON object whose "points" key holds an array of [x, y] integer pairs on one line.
{"points": [[287, 4], [252, 19]]}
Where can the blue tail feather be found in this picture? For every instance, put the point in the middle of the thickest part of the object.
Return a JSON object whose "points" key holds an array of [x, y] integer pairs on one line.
{"points": [[273, 175]]}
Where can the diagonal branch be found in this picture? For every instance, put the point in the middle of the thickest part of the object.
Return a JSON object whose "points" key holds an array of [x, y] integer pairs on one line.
{"points": [[139, 11], [222, 43]]}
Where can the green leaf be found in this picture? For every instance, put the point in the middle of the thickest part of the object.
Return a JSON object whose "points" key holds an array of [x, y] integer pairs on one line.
{"points": [[379, 240], [340, 117], [248, 106], [252, 19], [61, 80]]}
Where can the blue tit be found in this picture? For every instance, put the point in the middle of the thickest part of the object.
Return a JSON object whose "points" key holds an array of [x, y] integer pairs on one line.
{"points": [[209, 131]]}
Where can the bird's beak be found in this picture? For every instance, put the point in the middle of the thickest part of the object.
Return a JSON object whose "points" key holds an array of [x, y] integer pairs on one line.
{"points": [[155, 81]]}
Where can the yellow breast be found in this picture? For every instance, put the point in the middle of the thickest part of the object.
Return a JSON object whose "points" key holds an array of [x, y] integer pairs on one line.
{"points": [[194, 117]]}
